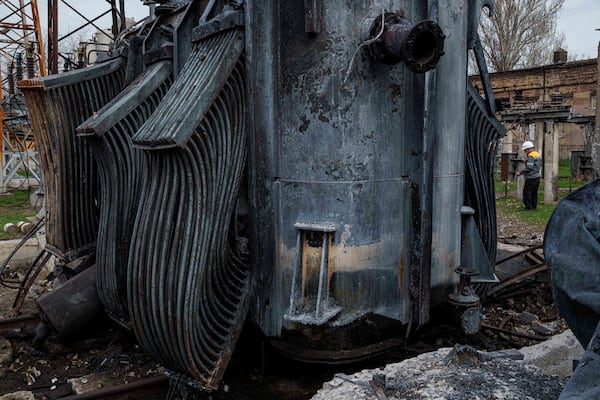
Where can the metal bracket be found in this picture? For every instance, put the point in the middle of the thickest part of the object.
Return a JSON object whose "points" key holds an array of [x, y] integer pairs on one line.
{"points": [[323, 310], [226, 20]]}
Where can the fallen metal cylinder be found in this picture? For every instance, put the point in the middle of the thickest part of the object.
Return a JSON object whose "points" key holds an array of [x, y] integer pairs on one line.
{"points": [[74, 307]]}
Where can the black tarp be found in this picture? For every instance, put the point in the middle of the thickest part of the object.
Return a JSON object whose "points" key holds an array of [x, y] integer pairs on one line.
{"points": [[572, 252]]}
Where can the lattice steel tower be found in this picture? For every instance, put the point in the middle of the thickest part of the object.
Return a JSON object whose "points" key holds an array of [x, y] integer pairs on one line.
{"points": [[21, 55]]}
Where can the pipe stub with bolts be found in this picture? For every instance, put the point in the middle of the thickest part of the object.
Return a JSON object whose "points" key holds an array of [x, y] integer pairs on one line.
{"points": [[418, 46]]}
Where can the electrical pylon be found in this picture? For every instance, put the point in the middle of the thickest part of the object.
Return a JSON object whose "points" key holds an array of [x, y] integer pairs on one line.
{"points": [[21, 55]]}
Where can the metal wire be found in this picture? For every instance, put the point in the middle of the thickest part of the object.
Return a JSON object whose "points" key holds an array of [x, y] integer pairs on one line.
{"points": [[29, 235]]}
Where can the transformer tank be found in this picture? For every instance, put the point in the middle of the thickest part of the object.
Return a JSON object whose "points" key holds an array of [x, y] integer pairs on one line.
{"points": [[321, 169], [341, 155]]}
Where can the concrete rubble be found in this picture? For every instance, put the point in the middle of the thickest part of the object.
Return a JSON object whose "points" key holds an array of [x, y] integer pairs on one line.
{"points": [[18, 396], [555, 356], [26, 254], [459, 373]]}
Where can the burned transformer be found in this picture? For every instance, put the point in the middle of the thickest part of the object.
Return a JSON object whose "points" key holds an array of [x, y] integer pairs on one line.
{"points": [[320, 169]]}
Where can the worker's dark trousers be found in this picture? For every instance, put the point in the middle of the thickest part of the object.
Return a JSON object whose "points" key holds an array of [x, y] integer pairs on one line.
{"points": [[530, 193]]}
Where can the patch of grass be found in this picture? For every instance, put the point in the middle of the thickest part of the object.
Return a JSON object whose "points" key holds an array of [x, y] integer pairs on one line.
{"points": [[513, 208], [14, 207], [508, 205]]}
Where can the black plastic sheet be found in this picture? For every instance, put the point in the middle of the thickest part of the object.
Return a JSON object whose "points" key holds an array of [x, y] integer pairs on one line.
{"points": [[572, 252], [585, 382]]}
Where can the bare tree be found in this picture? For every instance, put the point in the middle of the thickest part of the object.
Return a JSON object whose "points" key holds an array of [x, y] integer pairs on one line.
{"points": [[521, 33]]}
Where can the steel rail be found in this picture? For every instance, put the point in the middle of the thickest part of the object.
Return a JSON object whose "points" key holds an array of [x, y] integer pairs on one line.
{"points": [[520, 253]]}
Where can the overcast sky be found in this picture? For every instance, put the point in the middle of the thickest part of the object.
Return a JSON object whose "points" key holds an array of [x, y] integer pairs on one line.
{"points": [[68, 20], [578, 19]]}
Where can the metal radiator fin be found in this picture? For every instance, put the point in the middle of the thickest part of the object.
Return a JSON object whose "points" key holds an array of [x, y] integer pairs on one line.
{"points": [[58, 104], [109, 134], [483, 136], [195, 93], [188, 284]]}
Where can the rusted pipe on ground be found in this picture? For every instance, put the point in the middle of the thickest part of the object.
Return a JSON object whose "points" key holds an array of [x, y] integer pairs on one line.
{"points": [[23, 328], [19, 322]]}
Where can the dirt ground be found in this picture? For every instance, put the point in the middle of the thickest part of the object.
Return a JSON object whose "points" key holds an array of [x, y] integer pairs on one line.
{"points": [[512, 231], [112, 355]]}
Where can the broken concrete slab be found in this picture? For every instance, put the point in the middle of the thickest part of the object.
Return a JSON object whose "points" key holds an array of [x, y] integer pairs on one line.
{"points": [[22, 258], [432, 376], [555, 356], [18, 396]]}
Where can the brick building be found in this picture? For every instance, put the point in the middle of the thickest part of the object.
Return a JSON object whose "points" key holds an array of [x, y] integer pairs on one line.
{"points": [[563, 93]]}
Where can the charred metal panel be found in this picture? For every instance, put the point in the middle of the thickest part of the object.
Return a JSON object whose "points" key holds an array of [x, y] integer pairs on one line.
{"points": [[583, 384], [57, 105], [109, 134], [337, 140], [188, 285]]}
